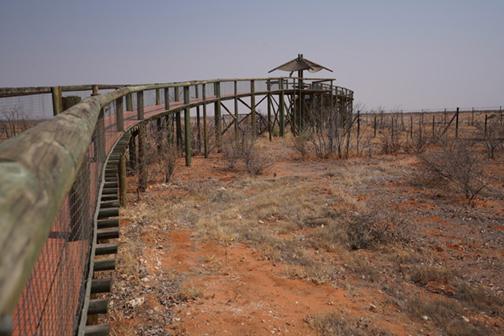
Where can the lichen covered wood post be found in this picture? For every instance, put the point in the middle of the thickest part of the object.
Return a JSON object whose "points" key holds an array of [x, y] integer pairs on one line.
{"points": [[169, 130], [133, 150], [218, 116], [140, 105], [282, 107], [56, 100], [269, 109], [129, 102], [178, 121], [123, 199], [119, 109], [142, 171], [237, 117], [252, 108], [205, 134], [187, 124], [198, 123]]}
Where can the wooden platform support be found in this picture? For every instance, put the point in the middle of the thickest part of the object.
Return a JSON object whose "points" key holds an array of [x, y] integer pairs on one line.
{"points": [[98, 306], [97, 330], [187, 125]]}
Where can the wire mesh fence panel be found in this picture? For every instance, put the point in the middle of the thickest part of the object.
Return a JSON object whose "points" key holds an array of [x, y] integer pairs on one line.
{"points": [[226, 88], [52, 299], [18, 114], [243, 87], [210, 90], [261, 85]]}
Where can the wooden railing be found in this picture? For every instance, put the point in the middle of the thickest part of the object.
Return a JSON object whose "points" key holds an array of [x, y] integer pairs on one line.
{"points": [[38, 168]]}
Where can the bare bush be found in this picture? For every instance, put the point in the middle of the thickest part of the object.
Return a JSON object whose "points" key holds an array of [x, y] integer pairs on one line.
{"points": [[14, 121], [369, 228], [244, 148], [459, 164], [162, 157], [492, 135]]}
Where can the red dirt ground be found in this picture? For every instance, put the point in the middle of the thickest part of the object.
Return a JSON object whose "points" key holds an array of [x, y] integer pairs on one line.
{"points": [[241, 292]]}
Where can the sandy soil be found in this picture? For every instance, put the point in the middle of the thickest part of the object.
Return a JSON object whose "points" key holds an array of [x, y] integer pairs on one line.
{"points": [[236, 289]]}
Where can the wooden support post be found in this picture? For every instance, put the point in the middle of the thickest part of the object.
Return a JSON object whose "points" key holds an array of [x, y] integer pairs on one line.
{"points": [[159, 137], [158, 96], [98, 306], [205, 134], [269, 110], [178, 121], [472, 117], [101, 286], [69, 101], [129, 102], [56, 100], [123, 199], [142, 171], [119, 114], [187, 124], [237, 116], [374, 126], [281, 103], [133, 150], [97, 330], [140, 105], [167, 99], [486, 124], [457, 124], [218, 117], [358, 131], [433, 126], [252, 108], [198, 123], [95, 90]]}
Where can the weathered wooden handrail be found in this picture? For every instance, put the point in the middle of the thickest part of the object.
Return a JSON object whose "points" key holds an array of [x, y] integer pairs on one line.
{"points": [[38, 167]]}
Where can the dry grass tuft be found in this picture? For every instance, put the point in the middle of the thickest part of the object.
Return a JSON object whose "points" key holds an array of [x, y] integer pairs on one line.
{"points": [[336, 323]]}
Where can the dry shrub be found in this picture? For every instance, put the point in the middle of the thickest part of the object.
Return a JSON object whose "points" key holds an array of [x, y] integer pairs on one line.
{"points": [[424, 274], [376, 227], [299, 144], [188, 292], [440, 310], [336, 323], [244, 148], [459, 327], [458, 164], [478, 297]]}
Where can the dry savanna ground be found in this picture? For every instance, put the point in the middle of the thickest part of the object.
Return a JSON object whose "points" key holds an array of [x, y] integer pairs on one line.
{"points": [[313, 246]]}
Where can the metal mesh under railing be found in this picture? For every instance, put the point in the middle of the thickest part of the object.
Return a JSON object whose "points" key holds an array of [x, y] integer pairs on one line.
{"points": [[52, 299]]}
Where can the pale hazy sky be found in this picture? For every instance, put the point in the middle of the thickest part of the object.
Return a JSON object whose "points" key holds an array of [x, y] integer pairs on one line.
{"points": [[396, 54]]}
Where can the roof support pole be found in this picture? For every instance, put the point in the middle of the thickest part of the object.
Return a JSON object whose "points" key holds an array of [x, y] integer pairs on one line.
{"points": [[269, 109]]}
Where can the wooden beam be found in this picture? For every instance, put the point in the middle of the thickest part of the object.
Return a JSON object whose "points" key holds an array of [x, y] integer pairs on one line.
{"points": [[104, 265], [108, 233], [101, 286], [107, 223], [97, 330], [98, 306], [109, 248]]}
